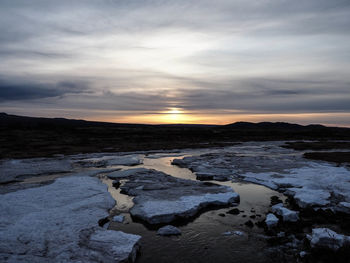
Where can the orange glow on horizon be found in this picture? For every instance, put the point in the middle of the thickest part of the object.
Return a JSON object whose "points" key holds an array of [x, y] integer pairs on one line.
{"points": [[179, 116]]}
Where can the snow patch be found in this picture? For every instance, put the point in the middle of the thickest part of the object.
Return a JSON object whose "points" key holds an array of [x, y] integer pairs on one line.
{"points": [[53, 223], [326, 238]]}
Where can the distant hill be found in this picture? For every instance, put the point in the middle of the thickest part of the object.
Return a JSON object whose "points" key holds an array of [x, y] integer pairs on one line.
{"points": [[271, 125], [10, 120], [24, 121], [22, 136]]}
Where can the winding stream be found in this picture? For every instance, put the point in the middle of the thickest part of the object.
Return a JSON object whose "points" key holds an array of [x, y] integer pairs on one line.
{"points": [[202, 239]]}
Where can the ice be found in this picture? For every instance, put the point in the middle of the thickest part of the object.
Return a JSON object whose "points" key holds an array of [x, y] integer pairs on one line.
{"points": [[53, 223], [161, 198], [311, 184], [271, 220], [326, 238], [110, 160], [287, 214], [168, 230], [14, 170]]}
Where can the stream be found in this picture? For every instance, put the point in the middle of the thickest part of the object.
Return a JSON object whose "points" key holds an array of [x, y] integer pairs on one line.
{"points": [[202, 238]]}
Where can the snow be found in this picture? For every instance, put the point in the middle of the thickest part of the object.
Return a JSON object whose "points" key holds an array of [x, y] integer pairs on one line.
{"points": [[326, 238], [165, 211], [110, 160], [118, 219], [285, 213], [311, 184], [310, 197], [343, 207], [271, 220], [235, 232], [127, 173], [161, 198], [117, 246], [14, 170], [168, 230], [54, 222]]}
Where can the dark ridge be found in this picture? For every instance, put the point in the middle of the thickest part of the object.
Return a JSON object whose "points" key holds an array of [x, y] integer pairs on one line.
{"points": [[334, 157], [273, 125], [264, 125], [24, 121], [22, 137]]}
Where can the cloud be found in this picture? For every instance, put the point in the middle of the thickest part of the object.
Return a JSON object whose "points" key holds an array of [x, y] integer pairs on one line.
{"points": [[149, 55], [10, 91]]}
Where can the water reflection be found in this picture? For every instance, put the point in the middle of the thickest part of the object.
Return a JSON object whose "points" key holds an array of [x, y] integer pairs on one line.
{"points": [[202, 239]]}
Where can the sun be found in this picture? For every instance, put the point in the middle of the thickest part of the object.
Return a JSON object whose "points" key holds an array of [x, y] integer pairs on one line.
{"points": [[174, 111], [175, 115]]}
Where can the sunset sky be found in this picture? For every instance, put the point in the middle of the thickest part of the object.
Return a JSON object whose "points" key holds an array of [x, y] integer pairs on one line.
{"points": [[179, 61]]}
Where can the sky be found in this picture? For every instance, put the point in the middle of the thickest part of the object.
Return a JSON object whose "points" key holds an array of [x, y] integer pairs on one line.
{"points": [[179, 61]]}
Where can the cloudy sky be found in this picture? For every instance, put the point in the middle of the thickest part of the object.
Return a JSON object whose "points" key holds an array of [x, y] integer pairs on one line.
{"points": [[179, 61]]}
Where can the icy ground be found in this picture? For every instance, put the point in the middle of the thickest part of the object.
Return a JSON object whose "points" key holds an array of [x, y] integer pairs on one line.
{"points": [[310, 183], [59, 223], [57, 220], [161, 198]]}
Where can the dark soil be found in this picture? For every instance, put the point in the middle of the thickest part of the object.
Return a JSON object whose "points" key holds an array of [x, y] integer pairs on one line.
{"points": [[24, 137], [318, 145], [335, 157]]}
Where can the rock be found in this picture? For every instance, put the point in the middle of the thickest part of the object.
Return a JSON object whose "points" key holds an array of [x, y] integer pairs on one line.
{"points": [[179, 162], [285, 213], [156, 211], [326, 238], [116, 183], [281, 234], [260, 223], [109, 160], [117, 246], [127, 160], [249, 223], [279, 169], [218, 174], [234, 211], [275, 200], [237, 233], [119, 219], [163, 198], [343, 207], [204, 171], [54, 223], [293, 242], [126, 173], [204, 177], [184, 162], [305, 197], [169, 230], [271, 220]]}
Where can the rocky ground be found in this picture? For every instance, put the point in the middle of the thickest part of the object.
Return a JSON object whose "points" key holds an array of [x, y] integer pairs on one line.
{"points": [[48, 202], [161, 198], [310, 184], [319, 195]]}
